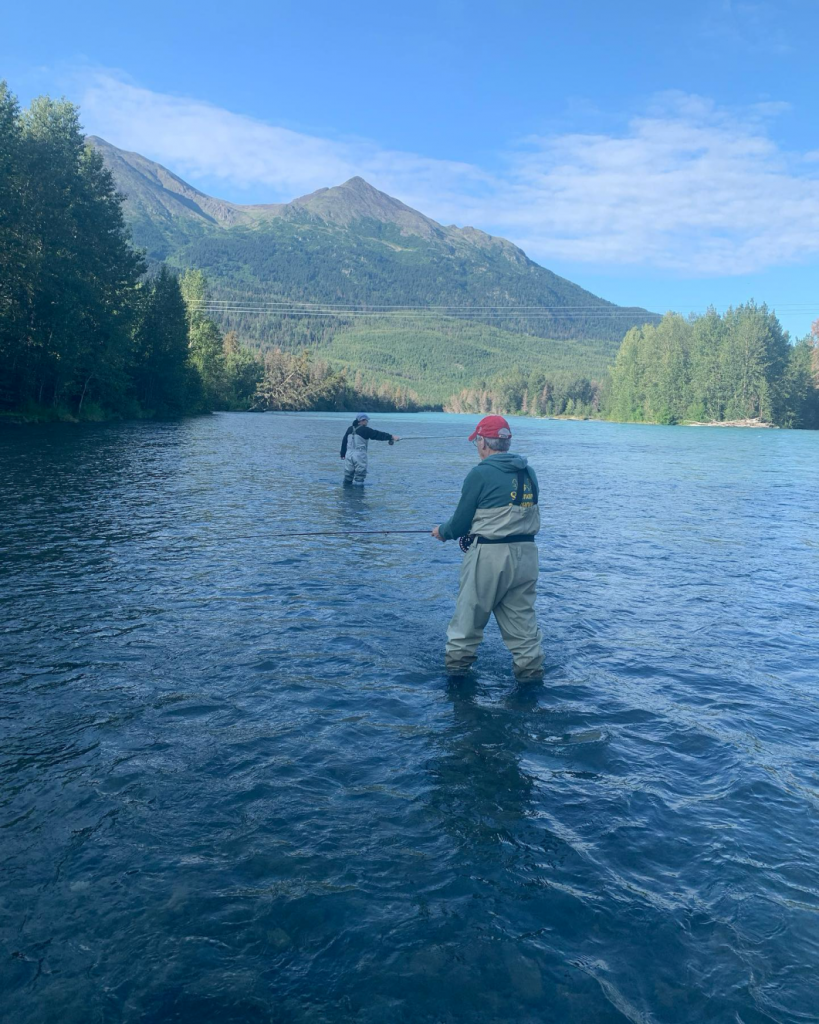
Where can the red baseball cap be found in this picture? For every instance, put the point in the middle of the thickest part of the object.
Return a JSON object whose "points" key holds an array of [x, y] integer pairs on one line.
{"points": [[491, 426]]}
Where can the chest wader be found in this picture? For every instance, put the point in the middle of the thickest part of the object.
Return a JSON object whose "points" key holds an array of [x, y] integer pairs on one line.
{"points": [[355, 464], [499, 576]]}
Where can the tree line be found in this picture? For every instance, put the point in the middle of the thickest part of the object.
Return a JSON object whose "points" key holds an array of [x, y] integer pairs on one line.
{"points": [[717, 368], [537, 394], [711, 368], [298, 381], [86, 333]]}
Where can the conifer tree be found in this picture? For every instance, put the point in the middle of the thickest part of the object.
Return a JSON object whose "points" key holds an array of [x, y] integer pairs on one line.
{"points": [[205, 341], [164, 380]]}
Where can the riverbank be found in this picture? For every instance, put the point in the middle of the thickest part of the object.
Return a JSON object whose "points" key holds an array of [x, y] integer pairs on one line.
{"points": [[41, 415], [753, 423], [34, 414]]}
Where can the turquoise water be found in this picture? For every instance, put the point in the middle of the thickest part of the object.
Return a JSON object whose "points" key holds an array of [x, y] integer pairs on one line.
{"points": [[237, 787]]}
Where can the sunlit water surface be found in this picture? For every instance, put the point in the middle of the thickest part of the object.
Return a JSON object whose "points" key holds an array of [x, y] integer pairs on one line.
{"points": [[237, 786]]}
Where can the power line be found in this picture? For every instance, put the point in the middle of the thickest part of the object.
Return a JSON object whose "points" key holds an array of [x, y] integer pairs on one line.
{"points": [[400, 315], [474, 313], [367, 306]]}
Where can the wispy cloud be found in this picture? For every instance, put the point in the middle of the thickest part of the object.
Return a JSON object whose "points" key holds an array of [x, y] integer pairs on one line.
{"points": [[202, 140], [687, 186], [757, 26]]}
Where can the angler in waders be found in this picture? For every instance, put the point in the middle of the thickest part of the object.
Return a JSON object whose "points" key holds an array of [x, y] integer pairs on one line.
{"points": [[354, 448], [496, 520]]}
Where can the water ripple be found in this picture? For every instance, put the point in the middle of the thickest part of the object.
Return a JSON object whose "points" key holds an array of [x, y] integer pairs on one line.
{"points": [[237, 787]]}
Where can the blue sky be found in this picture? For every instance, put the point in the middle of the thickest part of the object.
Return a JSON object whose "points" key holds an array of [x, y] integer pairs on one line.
{"points": [[660, 154]]}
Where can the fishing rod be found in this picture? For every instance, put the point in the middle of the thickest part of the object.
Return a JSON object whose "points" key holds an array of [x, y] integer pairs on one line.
{"points": [[351, 533]]}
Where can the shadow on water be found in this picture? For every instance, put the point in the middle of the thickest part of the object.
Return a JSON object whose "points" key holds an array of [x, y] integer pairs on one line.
{"points": [[352, 509], [480, 943]]}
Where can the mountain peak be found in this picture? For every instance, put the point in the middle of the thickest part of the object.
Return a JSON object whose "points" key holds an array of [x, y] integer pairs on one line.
{"points": [[166, 199], [157, 192], [356, 199]]}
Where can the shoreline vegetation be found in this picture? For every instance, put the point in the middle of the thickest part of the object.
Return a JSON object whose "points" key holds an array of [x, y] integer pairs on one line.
{"points": [[88, 334], [738, 368], [753, 424]]}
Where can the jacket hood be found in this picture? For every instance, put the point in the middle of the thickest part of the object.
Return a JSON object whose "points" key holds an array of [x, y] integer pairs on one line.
{"points": [[508, 462]]}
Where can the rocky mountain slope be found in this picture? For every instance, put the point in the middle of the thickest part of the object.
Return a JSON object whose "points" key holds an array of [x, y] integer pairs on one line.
{"points": [[354, 247]]}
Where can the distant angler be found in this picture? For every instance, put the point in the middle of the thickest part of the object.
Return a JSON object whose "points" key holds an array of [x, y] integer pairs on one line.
{"points": [[354, 448]]}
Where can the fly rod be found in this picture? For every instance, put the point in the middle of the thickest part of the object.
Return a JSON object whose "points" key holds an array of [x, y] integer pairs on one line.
{"points": [[350, 533]]}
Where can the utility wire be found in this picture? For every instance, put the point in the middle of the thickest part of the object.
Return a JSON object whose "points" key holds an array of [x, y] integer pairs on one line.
{"points": [[452, 317], [396, 306], [368, 306], [344, 314]]}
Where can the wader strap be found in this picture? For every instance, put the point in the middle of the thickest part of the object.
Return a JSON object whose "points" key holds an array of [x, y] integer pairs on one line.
{"points": [[518, 489], [515, 538], [522, 474]]}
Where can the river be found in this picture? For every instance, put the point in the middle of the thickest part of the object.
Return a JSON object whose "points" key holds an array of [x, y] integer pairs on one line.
{"points": [[236, 785]]}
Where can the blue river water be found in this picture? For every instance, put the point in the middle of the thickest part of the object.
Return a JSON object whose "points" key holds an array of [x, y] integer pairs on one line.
{"points": [[236, 785]]}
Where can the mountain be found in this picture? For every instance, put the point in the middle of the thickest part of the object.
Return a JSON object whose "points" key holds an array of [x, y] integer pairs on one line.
{"points": [[162, 210], [355, 246]]}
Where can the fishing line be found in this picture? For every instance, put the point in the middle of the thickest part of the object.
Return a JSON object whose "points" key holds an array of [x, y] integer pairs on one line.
{"points": [[352, 533]]}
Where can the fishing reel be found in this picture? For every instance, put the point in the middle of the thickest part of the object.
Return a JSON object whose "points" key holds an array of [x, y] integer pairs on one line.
{"points": [[466, 542]]}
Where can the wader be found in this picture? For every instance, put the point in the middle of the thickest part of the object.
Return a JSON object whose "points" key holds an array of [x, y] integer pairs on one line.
{"points": [[500, 578], [355, 463]]}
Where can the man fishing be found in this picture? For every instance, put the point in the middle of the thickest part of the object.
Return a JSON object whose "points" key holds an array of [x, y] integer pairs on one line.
{"points": [[354, 448], [497, 518]]}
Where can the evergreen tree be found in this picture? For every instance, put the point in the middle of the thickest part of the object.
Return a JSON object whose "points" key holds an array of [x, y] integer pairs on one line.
{"points": [[628, 401], [755, 356], [709, 390], [68, 276], [165, 383], [738, 366], [205, 341], [14, 287], [244, 370]]}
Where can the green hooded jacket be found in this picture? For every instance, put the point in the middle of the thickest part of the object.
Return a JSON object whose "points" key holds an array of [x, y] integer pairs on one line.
{"points": [[486, 506]]}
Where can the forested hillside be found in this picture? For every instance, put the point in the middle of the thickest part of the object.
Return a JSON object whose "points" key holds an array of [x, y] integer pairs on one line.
{"points": [[715, 369], [354, 274], [376, 266], [472, 355]]}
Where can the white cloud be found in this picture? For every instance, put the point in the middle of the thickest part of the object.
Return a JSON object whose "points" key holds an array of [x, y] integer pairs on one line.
{"points": [[201, 140], [688, 186]]}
